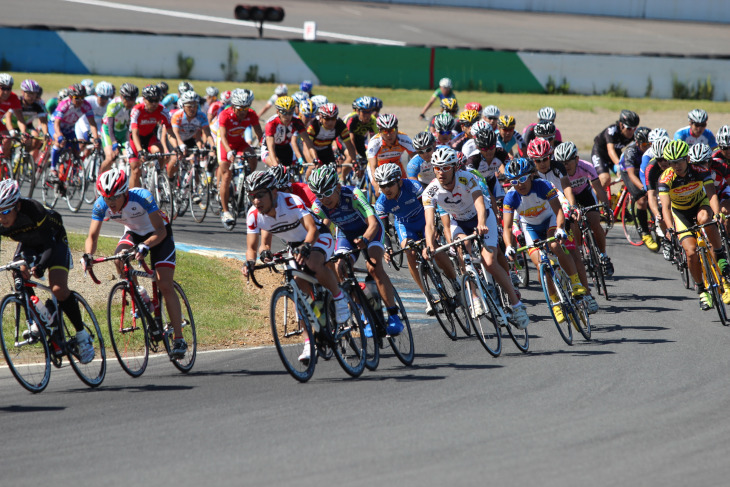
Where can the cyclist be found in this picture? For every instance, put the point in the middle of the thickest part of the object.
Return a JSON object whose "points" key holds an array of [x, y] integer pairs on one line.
{"points": [[444, 128], [362, 123], [104, 91], [449, 106], [460, 195], [388, 145], [279, 91], [327, 128], [169, 101], [466, 119], [545, 114], [608, 144], [723, 144], [88, 87], [233, 122], [211, 96], [488, 158], [357, 228], [491, 114], [306, 87], [649, 154], [33, 109], [67, 113], [146, 230], [9, 104], [508, 138], [541, 216], [216, 107], [652, 173], [419, 167], [445, 90], [280, 130], [42, 243], [115, 124], [701, 154], [546, 130], [696, 132], [629, 166], [144, 119], [190, 125], [687, 195]]}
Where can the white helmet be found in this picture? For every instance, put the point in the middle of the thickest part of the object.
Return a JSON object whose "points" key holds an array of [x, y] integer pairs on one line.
{"points": [[388, 173], [444, 156], [546, 114], [6, 79], [491, 111], [211, 91], [9, 193], [319, 100], [281, 90], [104, 88], [241, 97], [657, 134], [697, 115], [445, 83], [187, 97], [699, 153]]}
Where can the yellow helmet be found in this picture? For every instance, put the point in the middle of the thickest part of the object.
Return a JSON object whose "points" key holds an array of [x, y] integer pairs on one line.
{"points": [[285, 104], [449, 105], [469, 116], [506, 121]]}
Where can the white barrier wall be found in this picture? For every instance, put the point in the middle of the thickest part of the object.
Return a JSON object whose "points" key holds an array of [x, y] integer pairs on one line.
{"points": [[694, 10]]}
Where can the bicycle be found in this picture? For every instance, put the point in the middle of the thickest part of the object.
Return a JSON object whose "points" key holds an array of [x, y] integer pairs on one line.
{"points": [[300, 320], [392, 244], [589, 252], [198, 183], [157, 182], [30, 346], [70, 181], [238, 202], [630, 220], [92, 163], [134, 328], [575, 312], [20, 166], [679, 259]]}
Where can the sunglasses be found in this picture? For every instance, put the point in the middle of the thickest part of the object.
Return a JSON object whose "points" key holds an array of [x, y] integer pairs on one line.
{"points": [[104, 97], [153, 100], [481, 147], [492, 119], [541, 159], [329, 118], [258, 196], [442, 168], [241, 108], [6, 88], [445, 132], [675, 161], [284, 113], [508, 129], [699, 124], [129, 98], [327, 193], [75, 97], [520, 180], [112, 198], [387, 131], [5, 212], [367, 112], [388, 185], [424, 151]]}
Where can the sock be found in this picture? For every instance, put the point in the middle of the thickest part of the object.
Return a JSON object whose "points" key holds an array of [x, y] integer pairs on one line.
{"points": [[554, 298], [71, 307], [393, 311], [575, 280]]}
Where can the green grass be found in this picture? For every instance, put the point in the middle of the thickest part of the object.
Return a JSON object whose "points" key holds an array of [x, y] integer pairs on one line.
{"points": [[344, 96]]}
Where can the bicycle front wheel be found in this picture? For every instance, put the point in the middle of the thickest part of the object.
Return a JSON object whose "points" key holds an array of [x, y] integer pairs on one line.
{"points": [[292, 334], [711, 275], [184, 364], [368, 317], [163, 194], [349, 342], [402, 344], [564, 327], [630, 222], [599, 279], [482, 315], [128, 329], [49, 191], [91, 169], [199, 193], [27, 358], [435, 298], [92, 374], [75, 186]]}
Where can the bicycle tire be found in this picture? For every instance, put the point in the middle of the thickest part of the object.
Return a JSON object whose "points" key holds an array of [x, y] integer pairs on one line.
{"points": [[630, 223], [402, 344], [131, 343], [232, 206], [91, 170], [713, 285], [163, 194], [599, 278], [580, 319], [92, 374], [520, 336], [184, 364], [199, 187], [181, 190], [565, 330], [372, 345], [435, 298], [348, 338], [75, 186], [485, 324], [49, 192], [454, 312], [682, 266], [291, 331], [522, 268], [30, 363]]}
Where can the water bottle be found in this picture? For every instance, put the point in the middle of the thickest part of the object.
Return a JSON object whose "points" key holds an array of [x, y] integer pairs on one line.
{"points": [[370, 289], [43, 313], [317, 308], [146, 299]]}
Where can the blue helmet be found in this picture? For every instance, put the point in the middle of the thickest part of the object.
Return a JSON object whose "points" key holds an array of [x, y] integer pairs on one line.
{"points": [[377, 103], [518, 167], [364, 103], [306, 86]]}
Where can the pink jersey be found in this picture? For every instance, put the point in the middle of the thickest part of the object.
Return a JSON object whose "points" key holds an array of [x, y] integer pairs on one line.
{"points": [[68, 114], [584, 174]]}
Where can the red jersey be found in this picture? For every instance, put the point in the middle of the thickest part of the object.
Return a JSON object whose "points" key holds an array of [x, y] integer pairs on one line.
{"points": [[236, 128], [146, 122], [281, 133], [303, 191], [12, 103], [214, 109]]}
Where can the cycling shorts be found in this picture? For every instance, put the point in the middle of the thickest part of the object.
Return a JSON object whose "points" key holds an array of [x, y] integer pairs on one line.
{"points": [[60, 255], [599, 163], [636, 193], [162, 255], [325, 244], [147, 141], [537, 232], [585, 199], [467, 227], [240, 148], [344, 244], [122, 138], [683, 219], [326, 155], [410, 230]]}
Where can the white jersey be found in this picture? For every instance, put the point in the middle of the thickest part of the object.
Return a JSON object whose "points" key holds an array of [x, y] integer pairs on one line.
{"points": [[82, 125], [469, 148], [459, 202], [288, 222], [135, 215]]}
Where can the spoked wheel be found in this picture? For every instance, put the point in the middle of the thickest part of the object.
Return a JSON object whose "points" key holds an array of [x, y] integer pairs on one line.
{"points": [[715, 289], [391, 241], [163, 194], [91, 170], [49, 188], [520, 337], [522, 269], [199, 194], [454, 311], [75, 186], [368, 317], [482, 314], [681, 263], [578, 316], [26, 172], [630, 222], [27, 358], [128, 329], [182, 191], [92, 374], [597, 275], [435, 299], [402, 344], [564, 327], [184, 364], [232, 207], [348, 337], [292, 331]]}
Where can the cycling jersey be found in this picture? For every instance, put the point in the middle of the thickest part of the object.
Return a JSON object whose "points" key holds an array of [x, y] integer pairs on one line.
{"points": [[631, 158], [420, 168], [68, 114], [459, 202], [146, 122], [170, 101], [214, 109], [529, 134], [281, 133], [117, 119], [534, 207], [323, 138], [134, 215], [457, 143], [351, 214], [599, 155], [358, 128], [288, 222], [304, 193], [35, 110], [12, 103], [189, 127], [706, 137], [51, 105], [686, 191], [384, 154], [646, 159], [652, 173], [236, 128], [489, 170], [407, 207], [580, 181], [441, 96], [35, 226], [516, 140]]}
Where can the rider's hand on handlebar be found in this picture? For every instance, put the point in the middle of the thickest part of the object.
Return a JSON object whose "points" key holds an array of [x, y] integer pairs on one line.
{"points": [[510, 252], [86, 261], [560, 234], [247, 268], [720, 216]]}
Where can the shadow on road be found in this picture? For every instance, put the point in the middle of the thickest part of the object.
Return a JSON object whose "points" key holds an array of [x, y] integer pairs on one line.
{"points": [[146, 388], [236, 373], [30, 409]]}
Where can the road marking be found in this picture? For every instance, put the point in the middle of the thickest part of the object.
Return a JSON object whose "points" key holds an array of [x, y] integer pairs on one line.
{"points": [[245, 23]]}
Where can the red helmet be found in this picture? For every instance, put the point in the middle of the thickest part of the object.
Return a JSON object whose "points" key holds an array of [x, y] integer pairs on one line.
{"points": [[328, 110], [539, 148], [112, 183], [475, 105]]}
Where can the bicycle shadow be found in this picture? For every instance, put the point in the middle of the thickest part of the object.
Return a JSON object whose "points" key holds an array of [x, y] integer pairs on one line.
{"points": [[574, 352], [143, 388], [30, 409], [237, 373]]}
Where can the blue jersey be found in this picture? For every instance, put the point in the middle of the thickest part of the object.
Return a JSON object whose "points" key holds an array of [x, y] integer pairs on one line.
{"points": [[645, 161], [534, 207], [421, 169], [170, 101], [351, 214], [706, 137], [134, 215], [631, 158], [407, 207]]}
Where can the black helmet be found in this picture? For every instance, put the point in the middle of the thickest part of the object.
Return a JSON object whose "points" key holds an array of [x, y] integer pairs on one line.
{"points": [[629, 119], [128, 90], [641, 136]]}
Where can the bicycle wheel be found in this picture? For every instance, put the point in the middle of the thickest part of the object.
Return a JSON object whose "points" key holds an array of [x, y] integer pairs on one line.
{"points": [[391, 239], [292, 331], [402, 344], [49, 189], [182, 190], [28, 359], [454, 311], [26, 171], [75, 186], [520, 337], [711, 275], [184, 364], [564, 327], [599, 278], [578, 315], [348, 338], [482, 314], [163, 194], [682, 267], [630, 223], [434, 297], [91, 170], [522, 269], [367, 316], [199, 190], [128, 329], [93, 373]]}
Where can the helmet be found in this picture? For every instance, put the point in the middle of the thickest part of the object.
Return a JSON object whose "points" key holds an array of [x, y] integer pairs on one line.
{"points": [[475, 105], [284, 104], [281, 90], [281, 177], [62, 94], [566, 151], [546, 114], [657, 147], [364, 103], [104, 88], [226, 97], [423, 140], [88, 84], [30, 86], [539, 148], [388, 173], [112, 183], [698, 116], [306, 86], [212, 91], [676, 149], [77, 89], [725, 129], [319, 100], [657, 133], [485, 139], [300, 96], [328, 110], [377, 103], [443, 122], [260, 180], [480, 126], [184, 86], [628, 119], [387, 121], [490, 111], [444, 156], [151, 92], [545, 130], [164, 88], [188, 97], [699, 153], [306, 108], [469, 116], [323, 179], [449, 105], [517, 167], [506, 121], [128, 90], [445, 83], [641, 135], [9, 193], [243, 98], [6, 79], [723, 140]]}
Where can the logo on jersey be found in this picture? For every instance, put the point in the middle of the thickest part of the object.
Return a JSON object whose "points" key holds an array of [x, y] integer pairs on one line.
{"points": [[534, 211], [687, 189]]}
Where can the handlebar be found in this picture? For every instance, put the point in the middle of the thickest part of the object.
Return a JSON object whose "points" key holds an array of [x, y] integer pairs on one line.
{"points": [[538, 244], [125, 255], [455, 243]]}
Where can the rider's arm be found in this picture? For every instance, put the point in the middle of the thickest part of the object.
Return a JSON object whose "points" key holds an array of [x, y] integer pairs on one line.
{"points": [[373, 165], [312, 153], [481, 209], [252, 244], [634, 177], [428, 105], [567, 190], [430, 231], [272, 160], [600, 192], [93, 237], [160, 232], [259, 133], [351, 151], [712, 196], [266, 238], [507, 221], [311, 227], [612, 153], [667, 209], [558, 210], [21, 120], [653, 205]]}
